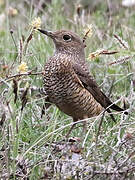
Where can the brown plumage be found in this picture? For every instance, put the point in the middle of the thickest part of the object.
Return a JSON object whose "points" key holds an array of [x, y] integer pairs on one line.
{"points": [[67, 82]]}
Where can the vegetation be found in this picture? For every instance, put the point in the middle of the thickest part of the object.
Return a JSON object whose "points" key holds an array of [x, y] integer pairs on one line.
{"points": [[31, 146]]}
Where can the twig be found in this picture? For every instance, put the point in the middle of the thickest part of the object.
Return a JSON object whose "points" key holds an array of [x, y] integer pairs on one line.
{"points": [[20, 50], [3, 118], [106, 52], [22, 74], [101, 52], [11, 32], [122, 42], [111, 88], [101, 121], [24, 98], [86, 35], [130, 155], [99, 127], [122, 60], [27, 42], [113, 172], [15, 90], [16, 53]]}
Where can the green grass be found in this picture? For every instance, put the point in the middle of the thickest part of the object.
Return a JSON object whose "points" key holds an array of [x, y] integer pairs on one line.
{"points": [[26, 139]]}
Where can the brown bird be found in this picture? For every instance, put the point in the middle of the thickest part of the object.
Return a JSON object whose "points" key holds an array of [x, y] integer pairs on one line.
{"points": [[67, 82]]}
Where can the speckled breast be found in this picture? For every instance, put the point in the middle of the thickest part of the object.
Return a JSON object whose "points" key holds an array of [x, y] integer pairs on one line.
{"points": [[66, 93]]}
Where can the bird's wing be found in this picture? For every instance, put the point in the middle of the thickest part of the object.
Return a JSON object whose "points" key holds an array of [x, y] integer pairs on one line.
{"points": [[90, 84]]}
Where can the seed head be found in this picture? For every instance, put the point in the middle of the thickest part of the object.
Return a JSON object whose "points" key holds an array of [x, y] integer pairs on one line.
{"points": [[95, 54], [36, 23], [22, 68]]}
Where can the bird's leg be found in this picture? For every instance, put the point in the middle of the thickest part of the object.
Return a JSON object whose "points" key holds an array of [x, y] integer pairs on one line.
{"points": [[46, 105], [84, 127], [76, 121], [67, 135]]}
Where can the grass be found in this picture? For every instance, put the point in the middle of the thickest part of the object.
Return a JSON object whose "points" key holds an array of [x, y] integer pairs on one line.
{"points": [[30, 146]]}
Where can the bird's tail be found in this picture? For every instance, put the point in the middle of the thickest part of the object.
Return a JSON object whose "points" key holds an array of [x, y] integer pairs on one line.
{"points": [[117, 108]]}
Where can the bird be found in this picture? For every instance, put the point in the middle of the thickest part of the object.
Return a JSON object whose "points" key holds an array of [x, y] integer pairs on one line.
{"points": [[67, 82]]}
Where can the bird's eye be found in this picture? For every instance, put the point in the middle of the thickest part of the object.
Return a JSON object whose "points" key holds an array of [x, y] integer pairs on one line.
{"points": [[67, 37]]}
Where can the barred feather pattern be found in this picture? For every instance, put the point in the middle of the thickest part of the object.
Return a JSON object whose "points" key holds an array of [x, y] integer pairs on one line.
{"points": [[65, 90]]}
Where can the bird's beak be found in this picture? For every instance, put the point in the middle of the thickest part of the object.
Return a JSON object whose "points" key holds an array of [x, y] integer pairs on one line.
{"points": [[48, 33]]}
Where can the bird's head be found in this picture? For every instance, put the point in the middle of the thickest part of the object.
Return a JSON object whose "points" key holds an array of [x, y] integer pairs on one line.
{"points": [[66, 41]]}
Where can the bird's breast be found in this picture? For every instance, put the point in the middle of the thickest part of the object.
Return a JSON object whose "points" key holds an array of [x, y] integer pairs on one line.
{"points": [[57, 82], [65, 92]]}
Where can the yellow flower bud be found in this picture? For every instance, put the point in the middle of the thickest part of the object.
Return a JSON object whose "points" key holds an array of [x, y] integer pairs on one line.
{"points": [[88, 31], [22, 68], [12, 11], [36, 23], [95, 54]]}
